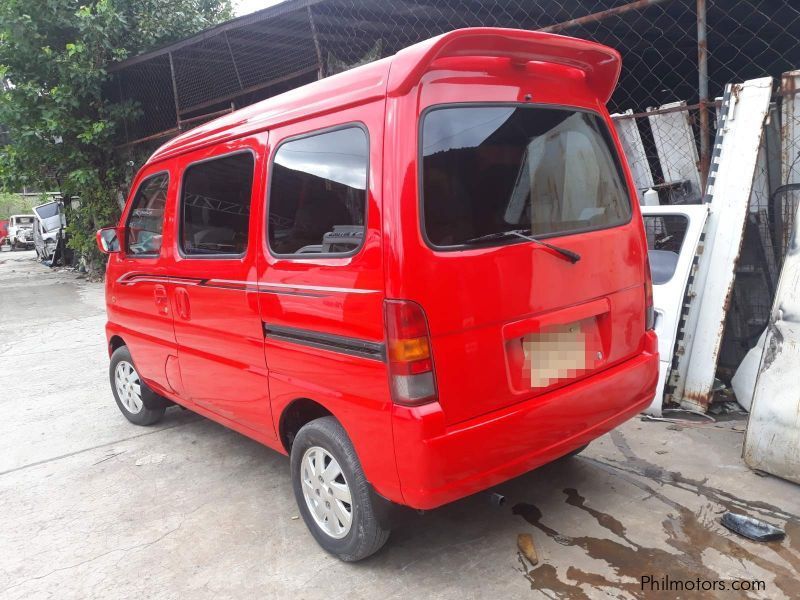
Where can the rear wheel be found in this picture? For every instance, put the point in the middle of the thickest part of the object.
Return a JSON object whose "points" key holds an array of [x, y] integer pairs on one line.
{"points": [[332, 493], [139, 404]]}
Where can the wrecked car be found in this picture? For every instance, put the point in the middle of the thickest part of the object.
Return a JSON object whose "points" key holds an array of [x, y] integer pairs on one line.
{"points": [[48, 228]]}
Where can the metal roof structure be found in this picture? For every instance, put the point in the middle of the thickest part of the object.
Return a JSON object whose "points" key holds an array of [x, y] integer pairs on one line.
{"points": [[295, 42]]}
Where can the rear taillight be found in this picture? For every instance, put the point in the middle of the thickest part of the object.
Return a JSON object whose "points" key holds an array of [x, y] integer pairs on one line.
{"points": [[649, 309], [408, 346]]}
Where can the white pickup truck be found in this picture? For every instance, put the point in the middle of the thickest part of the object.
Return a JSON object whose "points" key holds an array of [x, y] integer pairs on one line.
{"points": [[20, 231]]}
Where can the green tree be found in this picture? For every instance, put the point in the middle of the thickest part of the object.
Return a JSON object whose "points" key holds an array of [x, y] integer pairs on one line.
{"points": [[15, 204], [62, 133]]}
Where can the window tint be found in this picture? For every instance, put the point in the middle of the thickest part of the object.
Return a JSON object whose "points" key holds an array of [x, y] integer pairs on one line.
{"points": [[318, 193], [147, 216], [490, 169], [215, 205]]}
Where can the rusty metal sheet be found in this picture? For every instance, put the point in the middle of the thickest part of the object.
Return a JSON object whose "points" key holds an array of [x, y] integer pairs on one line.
{"points": [[730, 184]]}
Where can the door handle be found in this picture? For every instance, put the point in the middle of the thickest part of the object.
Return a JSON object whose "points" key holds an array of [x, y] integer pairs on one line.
{"points": [[182, 303], [160, 297]]}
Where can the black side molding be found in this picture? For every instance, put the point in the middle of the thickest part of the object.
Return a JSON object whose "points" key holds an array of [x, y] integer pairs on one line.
{"points": [[327, 341]]}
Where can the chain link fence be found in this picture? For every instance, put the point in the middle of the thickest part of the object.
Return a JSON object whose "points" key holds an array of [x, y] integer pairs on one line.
{"points": [[678, 55], [297, 41]]}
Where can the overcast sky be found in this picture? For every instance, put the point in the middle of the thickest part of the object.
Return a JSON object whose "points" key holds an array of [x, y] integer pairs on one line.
{"points": [[245, 7]]}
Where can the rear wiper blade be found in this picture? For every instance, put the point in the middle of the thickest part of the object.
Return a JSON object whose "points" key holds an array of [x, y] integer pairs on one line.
{"points": [[564, 253]]}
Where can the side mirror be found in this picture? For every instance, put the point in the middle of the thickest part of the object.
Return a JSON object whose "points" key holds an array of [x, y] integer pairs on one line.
{"points": [[108, 240]]}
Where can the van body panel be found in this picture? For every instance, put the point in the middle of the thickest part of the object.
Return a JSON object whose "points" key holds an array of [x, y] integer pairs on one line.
{"points": [[323, 317], [215, 305], [268, 328], [137, 289]]}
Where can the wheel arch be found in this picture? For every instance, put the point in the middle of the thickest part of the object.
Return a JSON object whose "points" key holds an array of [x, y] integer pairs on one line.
{"points": [[295, 415], [115, 342]]}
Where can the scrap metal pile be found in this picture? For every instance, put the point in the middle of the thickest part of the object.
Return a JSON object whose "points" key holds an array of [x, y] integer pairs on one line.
{"points": [[720, 254]]}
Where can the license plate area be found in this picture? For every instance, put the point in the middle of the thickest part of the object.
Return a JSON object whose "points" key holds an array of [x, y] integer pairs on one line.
{"points": [[555, 354]]}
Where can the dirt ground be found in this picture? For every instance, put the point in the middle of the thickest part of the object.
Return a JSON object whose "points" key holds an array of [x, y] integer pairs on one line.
{"points": [[94, 507]]}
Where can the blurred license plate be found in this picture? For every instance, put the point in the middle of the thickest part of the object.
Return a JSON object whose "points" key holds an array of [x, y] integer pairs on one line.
{"points": [[555, 354]]}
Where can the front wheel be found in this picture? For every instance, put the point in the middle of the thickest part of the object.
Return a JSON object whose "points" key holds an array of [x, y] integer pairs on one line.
{"points": [[139, 404], [332, 493]]}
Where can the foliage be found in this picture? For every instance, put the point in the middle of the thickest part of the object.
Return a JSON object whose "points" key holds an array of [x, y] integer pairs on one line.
{"points": [[15, 204], [62, 132]]}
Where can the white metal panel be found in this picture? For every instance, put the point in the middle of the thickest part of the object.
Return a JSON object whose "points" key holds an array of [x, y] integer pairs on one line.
{"points": [[676, 147], [743, 381], [739, 141], [772, 443], [668, 298], [632, 146]]}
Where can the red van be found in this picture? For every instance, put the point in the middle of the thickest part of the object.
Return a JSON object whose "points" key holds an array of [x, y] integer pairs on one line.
{"points": [[418, 278]]}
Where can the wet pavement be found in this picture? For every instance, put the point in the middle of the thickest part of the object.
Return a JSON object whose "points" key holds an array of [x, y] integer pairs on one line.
{"points": [[94, 507]]}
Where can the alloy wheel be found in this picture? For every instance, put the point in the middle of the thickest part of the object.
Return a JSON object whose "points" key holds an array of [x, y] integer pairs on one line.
{"points": [[326, 492], [129, 387]]}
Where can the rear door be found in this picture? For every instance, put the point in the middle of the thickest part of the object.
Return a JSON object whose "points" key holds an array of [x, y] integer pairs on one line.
{"points": [[673, 235], [217, 322], [510, 318]]}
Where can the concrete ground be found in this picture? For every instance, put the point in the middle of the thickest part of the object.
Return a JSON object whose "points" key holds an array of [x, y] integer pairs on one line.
{"points": [[94, 507]]}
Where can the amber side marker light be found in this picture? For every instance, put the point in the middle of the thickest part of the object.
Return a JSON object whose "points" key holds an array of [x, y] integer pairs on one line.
{"points": [[411, 376]]}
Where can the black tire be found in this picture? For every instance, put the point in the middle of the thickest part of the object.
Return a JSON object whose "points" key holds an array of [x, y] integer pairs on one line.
{"points": [[152, 407], [366, 534]]}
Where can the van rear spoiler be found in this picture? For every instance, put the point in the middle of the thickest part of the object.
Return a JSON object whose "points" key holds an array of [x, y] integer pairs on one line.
{"points": [[600, 63]]}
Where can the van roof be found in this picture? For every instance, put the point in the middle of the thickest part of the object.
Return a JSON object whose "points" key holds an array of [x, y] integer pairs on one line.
{"points": [[397, 75]]}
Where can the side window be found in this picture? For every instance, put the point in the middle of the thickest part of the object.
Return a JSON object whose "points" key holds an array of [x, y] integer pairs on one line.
{"points": [[146, 218], [318, 194], [215, 206]]}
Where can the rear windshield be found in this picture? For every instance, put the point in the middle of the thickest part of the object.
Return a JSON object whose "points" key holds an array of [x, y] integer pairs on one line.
{"points": [[540, 171], [45, 211]]}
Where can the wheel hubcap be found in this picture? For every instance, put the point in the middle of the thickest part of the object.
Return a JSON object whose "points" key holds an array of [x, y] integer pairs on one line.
{"points": [[326, 492], [129, 387]]}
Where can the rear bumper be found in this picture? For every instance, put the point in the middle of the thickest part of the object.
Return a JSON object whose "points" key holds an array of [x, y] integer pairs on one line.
{"points": [[438, 464]]}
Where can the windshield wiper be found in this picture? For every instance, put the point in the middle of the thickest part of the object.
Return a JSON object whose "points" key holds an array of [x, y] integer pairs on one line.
{"points": [[569, 255]]}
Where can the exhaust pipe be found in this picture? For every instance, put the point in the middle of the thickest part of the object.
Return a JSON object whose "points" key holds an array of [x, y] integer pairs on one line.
{"points": [[496, 500]]}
